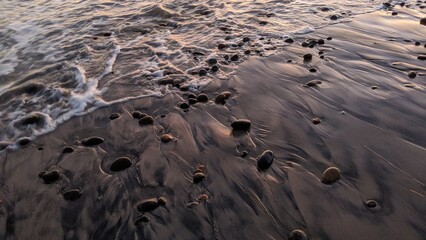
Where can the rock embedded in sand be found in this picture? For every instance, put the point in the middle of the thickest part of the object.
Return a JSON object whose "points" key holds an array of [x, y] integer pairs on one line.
{"points": [[72, 195], [214, 68], [334, 17], [422, 57], [92, 141], [33, 118], [202, 98], [50, 177], [162, 201], [191, 95], [147, 120], [192, 101], [241, 125], [235, 58], [297, 235], [330, 175], [148, 205], [212, 61], [221, 46], [138, 115], [246, 39], [316, 121], [264, 161], [248, 51], [394, 13], [307, 57], [198, 177], [141, 219], [165, 138], [423, 21], [374, 87], [114, 116], [412, 74], [67, 150], [120, 164], [313, 83], [23, 141], [371, 204], [289, 40], [220, 99], [184, 105], [202, 72], [244, 154], [321, 41]]}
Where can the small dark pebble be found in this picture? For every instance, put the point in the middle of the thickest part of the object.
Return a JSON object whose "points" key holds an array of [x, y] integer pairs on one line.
{"points": [[422, 57], [235, 58], [316, 121], [32, 119], [394, 13], [265, 160], [307, 57], [192, 101], [241, 125], [371, 204], [68, 150], [247, 52], [147, 120], [184, 105], [311, 45], [320, 52], [163, 115], [220, 99], [329, 38], [244, 154], [191, 95], [297, 235], [321, 41], [423, 21], [92, 141], [412, 74], [289, 40], [289, 61], [23, 141], [226, 57], [202, 98], [212, 61], [148, 205], [198, 177], [215, 68], [120, 164], [138, 115], [141, 219], [313, 83], [263, 22], [50, 177], [330, 175], [162, 201], [305, 44], [374, 87], [114, 116], [165, 138], [222, 46], [322, 57], [202, 72], [246, 39], [334, 17], [417, 43], [72, 195], [312, 70], [40, 148]]}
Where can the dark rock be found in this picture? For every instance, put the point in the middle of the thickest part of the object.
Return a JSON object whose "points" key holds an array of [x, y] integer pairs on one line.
{"points": [[138, 115], [297, 235], [141, 219], [417, 43], [92, 141], [330, 175], [202, 98], [244, 154], [289, 61], [422, 57], [307, 57], [147, 120], [184, 105], [394, 13], [212, 61], [192, 101], [72, 195], [247, 52], [321, 41], [33, 118], [325, 9], [165, 138], [412, 74], [334, 17], [423, 21], [241, 125], [120, 164], [148, 205], [263, 22], [198, 177], [312, 70], [371, 204], [235, 58], [114, 116], [316, 121], [162, 201], [374, 87], [289, 40], [220, 99], [68, 150], [329, 38], [313, 83], [246, 39], [305, 44], [191, 95], [23, 141], [202, 72], [221, 46], [265, 160], [215, 68], [50, 177]]}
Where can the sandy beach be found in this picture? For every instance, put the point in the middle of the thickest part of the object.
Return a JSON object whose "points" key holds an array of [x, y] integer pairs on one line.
{"points": [[349, 96]]}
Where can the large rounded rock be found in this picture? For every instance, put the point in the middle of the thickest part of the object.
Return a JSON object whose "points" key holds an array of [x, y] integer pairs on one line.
{"points": [[72, 195], [297, 235], [147, 120], [198, 177], [330, 175], [202, 98], [423, 21], [241, 125], [148, 205], [50, 177], [264, 161], [120, 164], [92, 141]]}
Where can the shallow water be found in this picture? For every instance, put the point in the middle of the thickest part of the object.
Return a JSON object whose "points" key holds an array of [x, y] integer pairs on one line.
{"points": [[60, 59]]}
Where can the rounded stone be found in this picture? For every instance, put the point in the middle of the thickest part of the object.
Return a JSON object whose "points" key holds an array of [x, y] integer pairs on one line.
{"points": [[371, 203], [330, 175], [244, 154], [192, 101], [212, 61], [312, 70], [220, 99], [162, 201], [23, 141], [316, 121], [202, 72], [50, 177], [191, 95], [321, 41], [235, 58], [246, 39], [92, 141], [422, 57], [72, 195], [198, 177], [120, 164], [241, 125], [184, 105], [423, 21], [221, 46], [203, 197], [412, 74], [289, 40], [165, 138], [138, 115], [334, 17], [313, 83], [68, 150], [141, 219], [147, 120], [114, 116], [247, 52], [264, 161], [374, 87], [307, 57], [297, 235], [202, 98], [214, 68], [147, 205]]}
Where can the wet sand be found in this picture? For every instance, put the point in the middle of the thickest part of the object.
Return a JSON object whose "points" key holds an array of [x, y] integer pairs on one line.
{"points": [[358, 111]]}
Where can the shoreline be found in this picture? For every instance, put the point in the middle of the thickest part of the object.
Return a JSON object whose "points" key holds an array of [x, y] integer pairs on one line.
{"points": [[371, 127]]}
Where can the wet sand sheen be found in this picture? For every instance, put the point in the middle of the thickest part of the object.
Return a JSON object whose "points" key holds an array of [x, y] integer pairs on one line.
{"points": [[277, 152]]}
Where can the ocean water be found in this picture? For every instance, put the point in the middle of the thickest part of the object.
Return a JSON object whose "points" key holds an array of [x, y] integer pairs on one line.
{"points": [[59, 59]]}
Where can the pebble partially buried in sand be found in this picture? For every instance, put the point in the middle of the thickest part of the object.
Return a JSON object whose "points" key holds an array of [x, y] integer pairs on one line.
{"points": [[330, 175], [92, 141], [264, 161], [297, 235], [120, 164], [241, 125], [150, 204]]}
